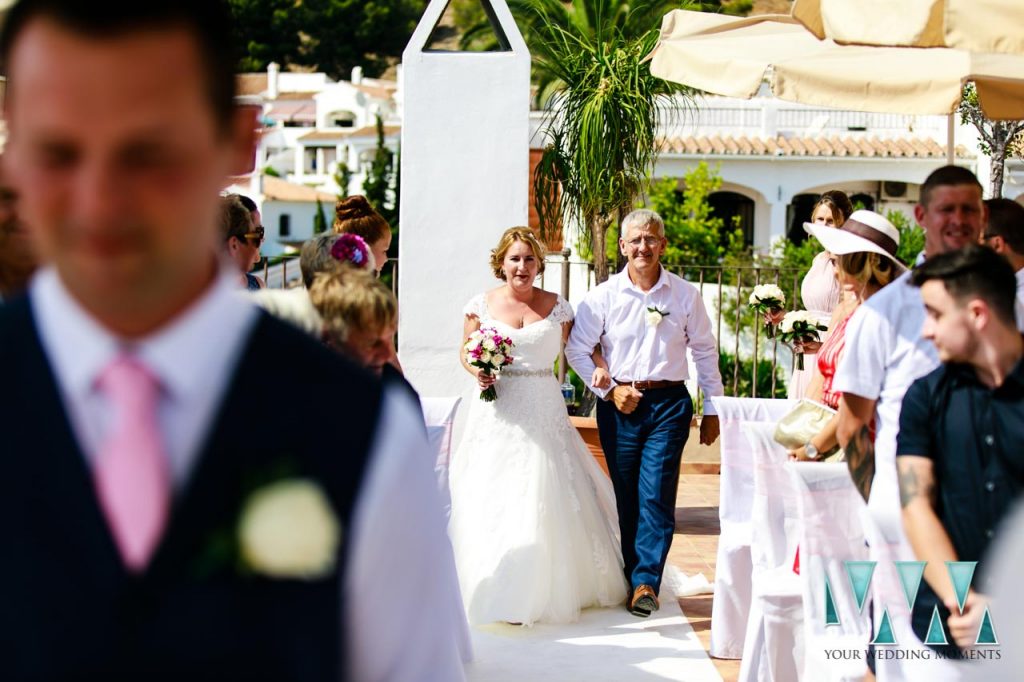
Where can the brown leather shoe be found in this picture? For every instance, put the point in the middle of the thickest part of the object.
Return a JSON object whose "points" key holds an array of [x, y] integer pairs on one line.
{"points": [[644, 601]]}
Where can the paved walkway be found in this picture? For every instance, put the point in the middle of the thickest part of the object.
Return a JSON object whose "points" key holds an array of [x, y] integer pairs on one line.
{"points": [[694, 547]]}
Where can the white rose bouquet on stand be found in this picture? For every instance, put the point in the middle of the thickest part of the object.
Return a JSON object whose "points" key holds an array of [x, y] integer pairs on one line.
{"points": [[768, 300], [800, 326], [490, 351]]}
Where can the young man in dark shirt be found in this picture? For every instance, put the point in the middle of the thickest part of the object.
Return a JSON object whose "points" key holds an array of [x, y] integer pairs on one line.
{"points": [[958, 450]]}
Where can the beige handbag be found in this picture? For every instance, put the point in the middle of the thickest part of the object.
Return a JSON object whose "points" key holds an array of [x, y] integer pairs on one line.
{"points": [[802, 423]]}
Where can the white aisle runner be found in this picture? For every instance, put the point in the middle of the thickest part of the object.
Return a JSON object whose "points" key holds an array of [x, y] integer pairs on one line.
{"points": [[606, 645]]}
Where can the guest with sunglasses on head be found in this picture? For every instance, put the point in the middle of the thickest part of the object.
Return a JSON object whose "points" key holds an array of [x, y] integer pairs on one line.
{"points": [[242, 239]]}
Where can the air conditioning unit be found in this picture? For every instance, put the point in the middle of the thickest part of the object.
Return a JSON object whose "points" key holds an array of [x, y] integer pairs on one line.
{"points": [[893, 190]]}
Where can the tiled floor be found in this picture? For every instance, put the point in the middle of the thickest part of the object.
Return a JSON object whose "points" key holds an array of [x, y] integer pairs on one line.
{"points": [[693, 551]]}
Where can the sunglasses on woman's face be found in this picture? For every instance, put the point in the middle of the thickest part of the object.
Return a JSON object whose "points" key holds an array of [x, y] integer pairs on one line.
{"points": [[255, 237]]}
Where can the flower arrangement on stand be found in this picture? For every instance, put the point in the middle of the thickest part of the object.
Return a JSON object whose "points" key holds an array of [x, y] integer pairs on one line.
{"points": [[768, 300], [490, 351], [800, 326]]}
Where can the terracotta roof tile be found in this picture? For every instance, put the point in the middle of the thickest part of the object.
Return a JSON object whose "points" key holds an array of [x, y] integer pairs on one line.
{"points": [[842, 146], [276, 189]]}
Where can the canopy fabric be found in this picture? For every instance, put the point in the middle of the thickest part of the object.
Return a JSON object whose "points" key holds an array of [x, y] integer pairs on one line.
{"points": [[973, 25], [731, 56]]}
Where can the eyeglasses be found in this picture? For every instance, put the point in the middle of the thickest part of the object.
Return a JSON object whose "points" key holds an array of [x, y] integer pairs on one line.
{"points": [[649, 242], [257, 236]]}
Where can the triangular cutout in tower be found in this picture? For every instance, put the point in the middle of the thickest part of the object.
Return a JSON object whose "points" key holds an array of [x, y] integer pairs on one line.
{"points": [[831, 614], [475, 16]]}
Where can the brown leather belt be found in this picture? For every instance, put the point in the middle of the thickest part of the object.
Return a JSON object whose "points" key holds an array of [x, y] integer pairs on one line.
{"points": [[651, 385]]}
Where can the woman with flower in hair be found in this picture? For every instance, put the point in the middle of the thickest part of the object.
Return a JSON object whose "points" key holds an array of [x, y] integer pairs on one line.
{"points": [[533, 519], [355, 215]]}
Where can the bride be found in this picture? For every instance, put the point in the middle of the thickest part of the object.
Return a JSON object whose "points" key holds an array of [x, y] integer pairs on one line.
{"points": [[533, 519]]}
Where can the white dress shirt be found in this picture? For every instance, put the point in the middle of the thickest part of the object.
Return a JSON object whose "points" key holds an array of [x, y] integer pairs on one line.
{"points": [[614, 314], [884, 354], [399, 558]]}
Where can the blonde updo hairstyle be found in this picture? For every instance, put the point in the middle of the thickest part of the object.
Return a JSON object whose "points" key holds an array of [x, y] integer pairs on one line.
{"points": [[867, 267], [355, 215], [510, 237], [352, 298]]}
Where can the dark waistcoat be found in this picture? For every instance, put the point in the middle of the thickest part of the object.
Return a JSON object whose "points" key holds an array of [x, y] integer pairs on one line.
{"points": [[69, 610]]}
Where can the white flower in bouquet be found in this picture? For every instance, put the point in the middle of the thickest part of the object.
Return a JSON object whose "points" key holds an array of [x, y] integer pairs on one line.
{"points": [[767, 294], [790, 320], [800, 326], [490, 351], [288, 530]]}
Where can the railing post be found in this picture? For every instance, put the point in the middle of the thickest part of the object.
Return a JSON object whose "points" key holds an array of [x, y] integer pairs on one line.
{"points": [[565, 294]]}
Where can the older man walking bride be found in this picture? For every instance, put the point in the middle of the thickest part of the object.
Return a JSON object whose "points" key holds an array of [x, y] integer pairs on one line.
{"points": [[644, 320]]}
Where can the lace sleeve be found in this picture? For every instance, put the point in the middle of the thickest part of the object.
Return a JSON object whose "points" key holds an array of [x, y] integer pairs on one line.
{"points": [[563, 312], [475, 307]]}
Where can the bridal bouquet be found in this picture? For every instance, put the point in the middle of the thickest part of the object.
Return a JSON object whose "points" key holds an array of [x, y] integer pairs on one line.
{"points": [[490, 351], [767, 299], [800, 326]]}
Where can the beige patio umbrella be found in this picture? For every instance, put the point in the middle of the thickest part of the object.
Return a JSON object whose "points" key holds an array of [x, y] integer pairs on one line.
{"points": [[732, 56], [974, 25]]}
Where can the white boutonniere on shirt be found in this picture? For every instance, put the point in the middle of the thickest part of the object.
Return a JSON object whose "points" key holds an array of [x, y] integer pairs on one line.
{"points": [[655, 315], [288, 530]]}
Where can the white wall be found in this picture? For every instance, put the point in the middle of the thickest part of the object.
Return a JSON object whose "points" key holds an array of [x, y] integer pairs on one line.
{"points": [[465, 173], [302, 214]]}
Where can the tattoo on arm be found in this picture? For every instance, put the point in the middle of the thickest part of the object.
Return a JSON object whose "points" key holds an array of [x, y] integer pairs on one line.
{"points": [[860, 458], [912, 486]]}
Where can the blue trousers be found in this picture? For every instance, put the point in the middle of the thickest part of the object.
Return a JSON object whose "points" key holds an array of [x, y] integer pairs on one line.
{"points": [[643, 450]]}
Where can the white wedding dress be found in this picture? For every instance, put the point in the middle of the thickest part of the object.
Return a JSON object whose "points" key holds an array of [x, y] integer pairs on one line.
{"points": [[533, 521]]}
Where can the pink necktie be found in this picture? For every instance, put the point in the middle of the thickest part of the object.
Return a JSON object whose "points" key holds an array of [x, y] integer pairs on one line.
{"points": [[131, 473]]}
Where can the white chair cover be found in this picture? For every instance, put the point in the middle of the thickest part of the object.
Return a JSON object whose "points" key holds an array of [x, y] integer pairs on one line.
{"points": [[439, 415], [773, 645], [831, 534], [731, 603]]}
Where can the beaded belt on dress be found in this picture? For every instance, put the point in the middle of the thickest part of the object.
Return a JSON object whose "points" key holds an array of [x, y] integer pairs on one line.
{"points": [[528, 372]]}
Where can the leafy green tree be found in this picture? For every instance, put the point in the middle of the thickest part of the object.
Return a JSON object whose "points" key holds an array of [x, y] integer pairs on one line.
{"points": [[911, 236], [329, 35], [342, 178], [265, 31], [319, 220], [695, 235], [998, 139], [605, 109], [632, 18], [379, 185]]}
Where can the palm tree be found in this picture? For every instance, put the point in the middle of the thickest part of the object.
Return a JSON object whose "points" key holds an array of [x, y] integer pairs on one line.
{"points": [[605, 108]]}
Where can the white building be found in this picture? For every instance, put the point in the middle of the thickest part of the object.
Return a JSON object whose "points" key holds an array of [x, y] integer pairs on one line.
{"points": [[313, 128]]}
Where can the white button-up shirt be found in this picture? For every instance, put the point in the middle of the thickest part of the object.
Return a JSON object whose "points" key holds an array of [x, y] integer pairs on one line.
{"points": [[614, 315], [400, 557], [885, 353], [1020, 300]]}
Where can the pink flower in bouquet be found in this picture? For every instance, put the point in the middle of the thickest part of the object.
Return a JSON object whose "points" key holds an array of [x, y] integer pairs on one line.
{"points": [[490, 351]]}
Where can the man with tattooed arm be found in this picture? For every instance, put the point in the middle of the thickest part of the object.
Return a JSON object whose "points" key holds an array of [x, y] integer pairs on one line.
{"points": [[958, 450]]}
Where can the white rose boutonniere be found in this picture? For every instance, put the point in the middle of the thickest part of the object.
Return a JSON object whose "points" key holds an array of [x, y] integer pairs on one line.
{"points": [[655, 315], [288, 530]]}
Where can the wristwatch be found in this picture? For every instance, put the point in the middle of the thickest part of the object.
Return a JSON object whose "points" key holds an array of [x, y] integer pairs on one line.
{"points": [[811, 451]]}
